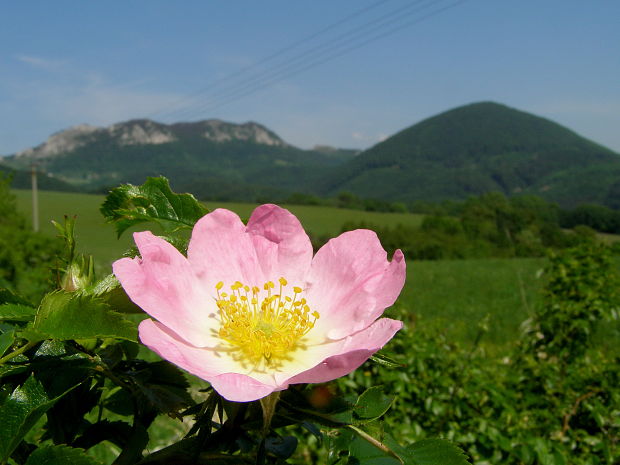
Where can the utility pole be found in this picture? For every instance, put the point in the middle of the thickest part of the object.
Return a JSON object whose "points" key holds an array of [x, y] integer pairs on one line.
{"points": [[35, 198]]}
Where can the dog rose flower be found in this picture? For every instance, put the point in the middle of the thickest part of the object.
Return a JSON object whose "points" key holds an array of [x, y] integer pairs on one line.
{"points": [[250, 309]]}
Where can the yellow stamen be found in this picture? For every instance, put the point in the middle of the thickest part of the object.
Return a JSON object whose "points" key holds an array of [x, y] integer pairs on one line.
{"points": [[263, 330]]}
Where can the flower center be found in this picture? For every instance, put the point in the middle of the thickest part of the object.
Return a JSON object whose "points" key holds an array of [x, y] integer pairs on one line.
{"points": [[263, 327]]}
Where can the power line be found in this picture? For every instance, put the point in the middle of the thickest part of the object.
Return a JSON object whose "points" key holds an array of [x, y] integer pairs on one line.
{"points": [[276, 54], [331, 57], [344, 43], [314, 53]]}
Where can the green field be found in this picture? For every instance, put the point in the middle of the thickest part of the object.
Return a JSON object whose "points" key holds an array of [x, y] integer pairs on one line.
{"points": [[453, 294], [100, 238]]}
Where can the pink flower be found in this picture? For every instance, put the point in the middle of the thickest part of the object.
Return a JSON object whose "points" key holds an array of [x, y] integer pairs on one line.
{"points": [[251, 311]]}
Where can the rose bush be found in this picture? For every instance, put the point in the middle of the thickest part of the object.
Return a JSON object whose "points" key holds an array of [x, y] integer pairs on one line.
{"points": [[251, 310]]}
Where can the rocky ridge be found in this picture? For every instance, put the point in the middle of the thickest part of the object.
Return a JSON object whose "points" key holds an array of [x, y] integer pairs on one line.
{"points": [[148, 132]]}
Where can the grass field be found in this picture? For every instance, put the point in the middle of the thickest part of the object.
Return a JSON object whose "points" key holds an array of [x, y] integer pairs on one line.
{"points": [[101, 241], [454, 294]]}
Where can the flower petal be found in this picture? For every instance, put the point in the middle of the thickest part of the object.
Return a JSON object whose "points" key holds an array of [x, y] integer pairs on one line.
{"points": [[242, 388], [164, 285], [218, 369], [221, 250], [351, 353], [351, 282], [282, 246]]}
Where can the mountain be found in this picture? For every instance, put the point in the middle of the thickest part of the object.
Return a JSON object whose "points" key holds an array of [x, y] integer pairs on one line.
{"points": [[465, 151], [211, 158], [479, 148]]}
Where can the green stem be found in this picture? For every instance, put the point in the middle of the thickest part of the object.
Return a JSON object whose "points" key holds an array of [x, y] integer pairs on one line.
{"points": [[17, 352], [375, 442], [269, 408]]}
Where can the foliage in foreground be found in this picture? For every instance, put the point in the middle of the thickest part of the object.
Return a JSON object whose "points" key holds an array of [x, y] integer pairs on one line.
{"points": [[77, 388], [555, 400]]}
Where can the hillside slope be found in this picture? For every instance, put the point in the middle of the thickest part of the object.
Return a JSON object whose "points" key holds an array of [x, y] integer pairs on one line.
{"points": [[479, 148], [465, 151], [212, 158]]}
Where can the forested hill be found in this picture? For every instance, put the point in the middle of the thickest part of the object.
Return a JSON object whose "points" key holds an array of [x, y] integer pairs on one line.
{"points": [[479, 148], [470, 150], [212, 158]]}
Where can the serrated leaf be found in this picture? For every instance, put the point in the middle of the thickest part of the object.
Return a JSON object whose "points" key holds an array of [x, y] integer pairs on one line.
{"points": [[111, 292], [32, 335], [17, 312], [367, 454], [6, 341], [60, 455], [372, 404], [76, 316], [7, 296], [435, 452], [164, 386], [128, 205], [20, 411], [388, 451]]}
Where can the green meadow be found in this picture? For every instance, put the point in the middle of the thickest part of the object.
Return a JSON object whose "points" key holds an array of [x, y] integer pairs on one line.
{"points": [[102, 243], [454, 295]]}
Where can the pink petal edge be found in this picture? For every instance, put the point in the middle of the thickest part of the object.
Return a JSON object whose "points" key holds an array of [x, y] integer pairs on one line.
{"points": [[221, 250], [203, 363], [356, 349], [282, 246], [164, 285], [351, 282]]}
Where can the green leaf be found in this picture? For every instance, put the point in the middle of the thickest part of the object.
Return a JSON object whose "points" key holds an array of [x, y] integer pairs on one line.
{"points": [[112, 293], [17, 312], [367, 454], [60, 455], [434, 452], [163, 386], [386, 361], [76, 316], [128, 205], [7, 296], [6, 341], [20, 411], [372, 404], [386, 451], [281, 447]]}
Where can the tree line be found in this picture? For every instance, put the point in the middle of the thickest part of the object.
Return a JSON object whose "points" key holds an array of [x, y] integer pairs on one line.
{"points": [[491, 225]]}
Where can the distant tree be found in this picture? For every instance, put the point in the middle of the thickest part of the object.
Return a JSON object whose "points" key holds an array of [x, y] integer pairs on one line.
{"points": [[597, 217]]}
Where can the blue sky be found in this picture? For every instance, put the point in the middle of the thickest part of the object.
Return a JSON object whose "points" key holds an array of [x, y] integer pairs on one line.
{"points": [[346, 73]]}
